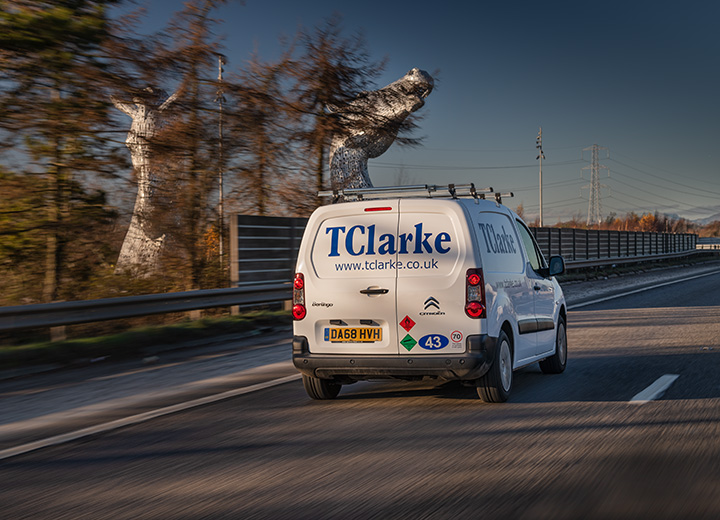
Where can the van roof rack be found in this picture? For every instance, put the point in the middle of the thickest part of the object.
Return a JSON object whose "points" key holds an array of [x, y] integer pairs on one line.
{"points": [[414, 190]]}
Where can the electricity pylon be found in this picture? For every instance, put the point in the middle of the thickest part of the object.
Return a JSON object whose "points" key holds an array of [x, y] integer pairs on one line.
{"points": [[594, 215]]}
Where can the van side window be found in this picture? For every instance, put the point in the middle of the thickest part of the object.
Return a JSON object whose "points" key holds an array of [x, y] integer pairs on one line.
{"points": [[534, 255]]}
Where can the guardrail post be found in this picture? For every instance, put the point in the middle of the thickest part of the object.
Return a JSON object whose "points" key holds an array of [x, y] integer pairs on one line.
{"points": [[58, 333], [234, 260], [559, 241], [587, 244]]}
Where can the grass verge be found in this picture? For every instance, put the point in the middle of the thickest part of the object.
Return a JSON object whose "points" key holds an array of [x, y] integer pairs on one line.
{"points": [[136, 342]]}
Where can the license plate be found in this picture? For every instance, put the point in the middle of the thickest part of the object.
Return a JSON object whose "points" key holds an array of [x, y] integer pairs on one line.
{"points": [[353, 334]]}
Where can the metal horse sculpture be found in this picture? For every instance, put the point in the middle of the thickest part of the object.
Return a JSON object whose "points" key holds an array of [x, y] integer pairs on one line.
{"points": [[372, 121]]}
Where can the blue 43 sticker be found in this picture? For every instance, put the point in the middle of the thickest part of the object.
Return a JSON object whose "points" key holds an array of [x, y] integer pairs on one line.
{"points": [[433, 342]]}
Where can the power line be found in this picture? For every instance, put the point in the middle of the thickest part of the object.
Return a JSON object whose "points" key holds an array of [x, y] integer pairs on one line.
{"points": [[634, 205], [560, 204], [678, 184], [468, 168], [652, 194], [549, 185], [660, 169], [493, 150]]}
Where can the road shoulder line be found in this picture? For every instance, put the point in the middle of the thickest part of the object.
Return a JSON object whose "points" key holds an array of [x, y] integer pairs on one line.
{"points": [[142, 417], [655, 390], [635, 291]]}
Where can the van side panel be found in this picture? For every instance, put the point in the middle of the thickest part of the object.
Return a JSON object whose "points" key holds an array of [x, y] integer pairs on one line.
{"points": [[507, 288]]}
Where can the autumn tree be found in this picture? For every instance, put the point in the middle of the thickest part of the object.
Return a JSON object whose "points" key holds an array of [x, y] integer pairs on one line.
{"points": [[263, 127], [53, 112], [330, 72], [191, 139]]}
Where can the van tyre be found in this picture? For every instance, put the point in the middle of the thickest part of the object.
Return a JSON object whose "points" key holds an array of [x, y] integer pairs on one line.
{"points": [[555, 364], [321, 388], [495, 385]]}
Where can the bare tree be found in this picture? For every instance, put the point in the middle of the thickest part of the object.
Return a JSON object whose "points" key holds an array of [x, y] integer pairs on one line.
{"points": [[263, 128], [191, 139], [331, 72]]}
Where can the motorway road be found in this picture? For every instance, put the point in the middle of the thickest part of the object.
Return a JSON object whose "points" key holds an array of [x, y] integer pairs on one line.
{"points": [[565, 446]]}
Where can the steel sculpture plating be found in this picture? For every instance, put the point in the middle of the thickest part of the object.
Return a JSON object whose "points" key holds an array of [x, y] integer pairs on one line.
{"points": [[372, 121], [142, 246]]}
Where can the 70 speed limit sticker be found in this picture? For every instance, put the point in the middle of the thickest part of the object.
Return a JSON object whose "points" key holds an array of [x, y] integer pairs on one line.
{"points": [[456, 338]]}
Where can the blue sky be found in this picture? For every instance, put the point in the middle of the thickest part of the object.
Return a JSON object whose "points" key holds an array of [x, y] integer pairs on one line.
{"points": [[640, 78]]}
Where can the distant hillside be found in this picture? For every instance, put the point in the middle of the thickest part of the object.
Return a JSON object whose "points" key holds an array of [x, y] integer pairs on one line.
{"points": [[706, 221]]}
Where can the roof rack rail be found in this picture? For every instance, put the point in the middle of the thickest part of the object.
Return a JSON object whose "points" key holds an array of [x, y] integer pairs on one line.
{"points": [[414, 190]]}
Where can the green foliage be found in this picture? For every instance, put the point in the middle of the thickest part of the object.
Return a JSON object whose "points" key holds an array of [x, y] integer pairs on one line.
{"points": [[21, 239], [67, 185], [136, 342], [52, 110]]}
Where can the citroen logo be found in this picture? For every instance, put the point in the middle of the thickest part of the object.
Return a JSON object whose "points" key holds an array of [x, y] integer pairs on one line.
{"points": [[432, 302]]}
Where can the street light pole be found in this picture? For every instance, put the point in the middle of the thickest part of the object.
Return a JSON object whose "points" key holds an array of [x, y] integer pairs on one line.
{"points": [[540, 157], [220, 100]]}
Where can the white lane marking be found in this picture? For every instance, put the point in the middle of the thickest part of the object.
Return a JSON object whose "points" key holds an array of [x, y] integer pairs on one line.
{"points": [[142, 417], [600, 300], [655, 390], [97, 405]]}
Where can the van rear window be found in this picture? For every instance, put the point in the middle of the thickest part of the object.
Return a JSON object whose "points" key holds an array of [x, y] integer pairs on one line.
{"points": [[499, 244]]}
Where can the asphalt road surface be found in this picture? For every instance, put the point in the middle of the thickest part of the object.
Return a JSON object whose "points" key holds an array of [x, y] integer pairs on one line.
{"points": [[573, 445]]}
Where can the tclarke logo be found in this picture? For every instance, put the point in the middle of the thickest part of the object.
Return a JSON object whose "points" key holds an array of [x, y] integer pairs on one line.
{"points": [[362, 240], [498, 243], [431, 303]]}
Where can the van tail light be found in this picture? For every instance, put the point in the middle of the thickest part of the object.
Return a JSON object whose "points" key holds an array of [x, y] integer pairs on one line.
{"points": [[298, 309], [475, 294]]}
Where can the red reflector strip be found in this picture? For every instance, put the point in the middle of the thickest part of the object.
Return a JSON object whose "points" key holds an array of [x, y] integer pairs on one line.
{"points": [[384, 208]]}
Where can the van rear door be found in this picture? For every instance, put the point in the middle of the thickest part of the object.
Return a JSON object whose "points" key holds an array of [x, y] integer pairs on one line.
{"points": [[351, 292], [432, 253]]}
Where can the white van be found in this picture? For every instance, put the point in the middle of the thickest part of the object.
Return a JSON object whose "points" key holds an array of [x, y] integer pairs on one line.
{"points": [[423, 281]]}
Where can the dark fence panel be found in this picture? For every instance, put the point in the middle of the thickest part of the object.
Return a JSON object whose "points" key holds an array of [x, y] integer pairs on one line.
{"points": [[589, 244], [264, 249]]}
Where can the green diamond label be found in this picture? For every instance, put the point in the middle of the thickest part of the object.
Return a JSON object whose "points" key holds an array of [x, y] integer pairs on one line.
{"points": [[408, 342]]}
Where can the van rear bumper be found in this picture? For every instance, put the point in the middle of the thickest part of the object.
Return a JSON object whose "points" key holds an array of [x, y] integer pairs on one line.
{"points": [[472, 364]]}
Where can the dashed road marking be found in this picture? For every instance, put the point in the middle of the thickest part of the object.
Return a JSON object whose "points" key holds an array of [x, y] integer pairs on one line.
{"points": [[655, 390]]}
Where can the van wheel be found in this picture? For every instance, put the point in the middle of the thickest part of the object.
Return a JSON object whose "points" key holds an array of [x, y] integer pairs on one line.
{"points": [[495, 386], [320, 388], [555, 364]]}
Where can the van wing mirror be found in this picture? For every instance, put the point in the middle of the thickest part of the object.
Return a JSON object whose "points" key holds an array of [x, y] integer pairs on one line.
{"points": [[556, 266]]}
